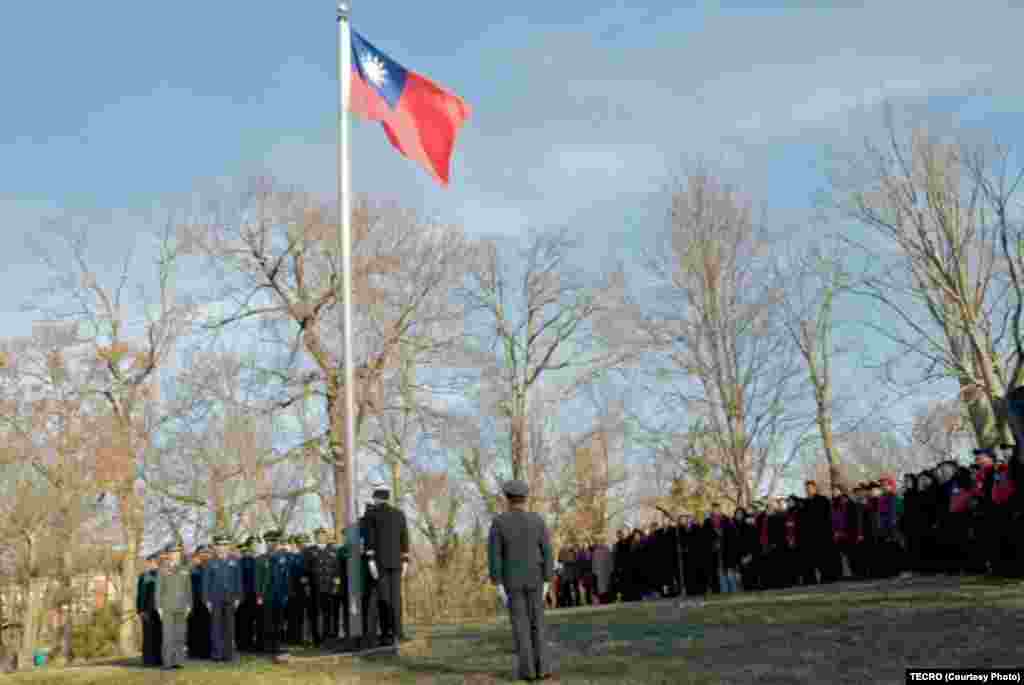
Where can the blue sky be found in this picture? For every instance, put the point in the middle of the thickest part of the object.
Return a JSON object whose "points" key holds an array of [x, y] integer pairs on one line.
{"points": [[581, 109]]}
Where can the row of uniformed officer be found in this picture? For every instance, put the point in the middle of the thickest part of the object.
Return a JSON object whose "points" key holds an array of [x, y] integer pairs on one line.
{"points": [[245, 600]]}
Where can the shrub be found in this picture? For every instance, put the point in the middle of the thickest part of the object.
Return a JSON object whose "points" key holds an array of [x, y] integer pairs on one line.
{"points": [[96, 638]]}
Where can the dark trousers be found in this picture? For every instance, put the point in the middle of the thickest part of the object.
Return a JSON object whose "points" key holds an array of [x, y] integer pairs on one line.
{"points": [[820, 562], [342, 614], [695, 576], [296, 616], [199, 632], [152, 639], [222, 631], [385, 606], [273, 616], [571, 590], [1006, 543], [526, 609], [320, 605], [749, 574], [245, 623]]}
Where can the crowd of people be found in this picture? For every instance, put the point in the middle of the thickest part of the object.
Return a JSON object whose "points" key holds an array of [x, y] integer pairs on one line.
{"points": [[947, 519], [232, 599]]}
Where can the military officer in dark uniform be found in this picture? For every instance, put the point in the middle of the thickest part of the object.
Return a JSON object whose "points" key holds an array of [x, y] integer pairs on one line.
{"points": [[145, 606], [273, 587], [387, 559], [199, 619], [325, 583], [519, 557], [245, 617], [298, 598], [222, 590]]}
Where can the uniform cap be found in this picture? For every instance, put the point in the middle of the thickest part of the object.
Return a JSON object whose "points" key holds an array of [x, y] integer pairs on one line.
{"points": [[321, 531], [272, 536], [222, 539], [516, 488], [380, 491], [301, 539]]}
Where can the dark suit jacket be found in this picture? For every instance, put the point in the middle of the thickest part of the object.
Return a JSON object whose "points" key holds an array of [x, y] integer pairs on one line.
{"points": [[387, 536], [519, 550]]}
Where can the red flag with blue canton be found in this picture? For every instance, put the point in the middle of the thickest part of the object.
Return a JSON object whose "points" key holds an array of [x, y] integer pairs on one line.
{"points": [[421, 118]]}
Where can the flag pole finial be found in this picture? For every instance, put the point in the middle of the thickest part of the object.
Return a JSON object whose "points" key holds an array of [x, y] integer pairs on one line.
{"points": [[344, 9]]}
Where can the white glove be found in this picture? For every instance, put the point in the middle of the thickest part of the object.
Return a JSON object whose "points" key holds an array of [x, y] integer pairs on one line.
{"points": [[503, 595], [373, 569], [405, 568], [160, 613]]}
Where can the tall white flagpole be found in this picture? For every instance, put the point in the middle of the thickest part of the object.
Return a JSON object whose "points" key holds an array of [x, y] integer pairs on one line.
{"points": [[352, 537]]}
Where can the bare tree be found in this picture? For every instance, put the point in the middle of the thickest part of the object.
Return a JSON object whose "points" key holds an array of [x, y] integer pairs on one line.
{"points": [[989, 166], [940, 427], [438, 500], [542, 322], [275, 250], [48, 422], [219, 455], [812, 280], [124, 368], [717, 328], [25, 517], [871, 453], [936, 267]]}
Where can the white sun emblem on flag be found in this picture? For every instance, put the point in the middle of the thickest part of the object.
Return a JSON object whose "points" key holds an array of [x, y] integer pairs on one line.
{"points": [[375, 70]]}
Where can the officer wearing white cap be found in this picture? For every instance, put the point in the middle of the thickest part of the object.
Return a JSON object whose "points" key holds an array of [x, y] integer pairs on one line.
{"points": [[387, 557], [521, 565]]}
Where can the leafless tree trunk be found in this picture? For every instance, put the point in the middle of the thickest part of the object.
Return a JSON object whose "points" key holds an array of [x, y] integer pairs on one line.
{"points": [[276, 248], [123, 367], [936, 269], [556, 331], [717, 328], [811, 281]]}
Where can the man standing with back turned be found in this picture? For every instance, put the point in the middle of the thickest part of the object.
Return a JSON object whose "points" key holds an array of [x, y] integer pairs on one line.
{"points": [[387, 559], [519, 555]]}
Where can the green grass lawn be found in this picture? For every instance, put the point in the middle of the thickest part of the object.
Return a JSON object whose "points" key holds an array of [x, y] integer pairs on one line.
{"points": [[854, 634]]}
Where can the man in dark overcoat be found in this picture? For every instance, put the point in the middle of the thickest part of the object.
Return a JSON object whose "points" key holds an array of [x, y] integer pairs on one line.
{"points": [[387, 559]]}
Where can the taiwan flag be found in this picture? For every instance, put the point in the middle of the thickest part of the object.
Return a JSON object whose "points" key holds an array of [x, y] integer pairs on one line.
{"points": [[421, 118]]}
